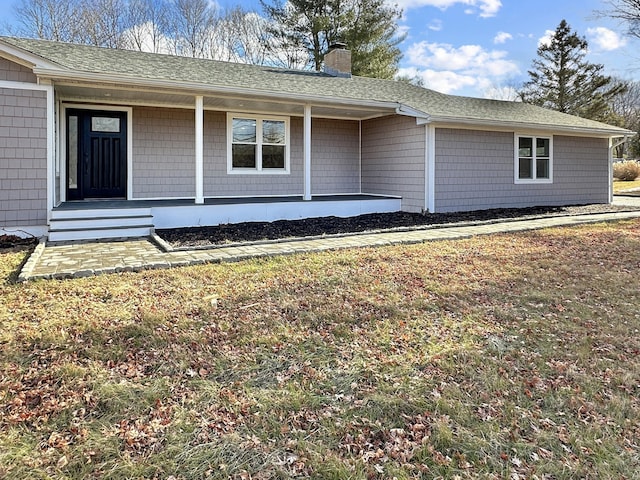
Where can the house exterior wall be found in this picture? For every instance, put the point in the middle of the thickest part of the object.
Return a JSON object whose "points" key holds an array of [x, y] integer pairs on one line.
{"points": [[12, 72], [164, 157], [474, 170], [23, 157], [163, 153], [335, 156], [393, 160], [218, 183]]}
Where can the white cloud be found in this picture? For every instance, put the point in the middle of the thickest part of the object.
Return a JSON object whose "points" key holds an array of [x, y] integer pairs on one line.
{"points": [[447, 69], [435, 25], [605, 39], [470, 58], [445, 82], [502, 37], [546, 38], [487, 8]]}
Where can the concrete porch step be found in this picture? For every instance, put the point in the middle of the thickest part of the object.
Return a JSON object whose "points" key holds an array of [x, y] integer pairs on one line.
{"points": [[99, 234], [96, 224]]}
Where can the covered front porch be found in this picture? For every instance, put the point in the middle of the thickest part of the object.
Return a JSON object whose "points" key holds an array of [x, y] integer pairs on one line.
{"points": [[84, 220], [131, 160]]}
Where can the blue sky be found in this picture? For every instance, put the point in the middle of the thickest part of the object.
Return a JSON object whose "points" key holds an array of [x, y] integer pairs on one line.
{"points": [[478, 47], [473, 47]]}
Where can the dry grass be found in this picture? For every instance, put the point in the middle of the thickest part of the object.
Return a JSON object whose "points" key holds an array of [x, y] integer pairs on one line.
{"points": [[509, 356], [620, 186]]}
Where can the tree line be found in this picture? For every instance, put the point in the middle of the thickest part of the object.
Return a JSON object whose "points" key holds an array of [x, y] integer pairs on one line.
{"points": [[295, 34]]}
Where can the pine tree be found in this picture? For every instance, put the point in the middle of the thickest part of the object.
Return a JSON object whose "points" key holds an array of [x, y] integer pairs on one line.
{"points": [[561, 79], [369, 27]]}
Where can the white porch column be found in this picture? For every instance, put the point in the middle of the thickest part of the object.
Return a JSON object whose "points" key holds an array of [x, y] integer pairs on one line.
{"points": [[307, 152], [430, 168], [199, 149]]}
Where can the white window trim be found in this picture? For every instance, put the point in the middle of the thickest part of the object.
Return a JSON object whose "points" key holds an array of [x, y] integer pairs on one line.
{"points": [[258, 170], [516, 160]]}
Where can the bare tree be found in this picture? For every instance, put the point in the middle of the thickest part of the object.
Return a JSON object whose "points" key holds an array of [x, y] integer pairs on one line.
{"points": [[626, 11], [245, 36], [626, 106], [48, 19], [101, 22], [192, 24], [147, 24]]}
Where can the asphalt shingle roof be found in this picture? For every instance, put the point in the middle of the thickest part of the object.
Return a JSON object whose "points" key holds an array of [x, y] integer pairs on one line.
{"points": [[263, 79]]}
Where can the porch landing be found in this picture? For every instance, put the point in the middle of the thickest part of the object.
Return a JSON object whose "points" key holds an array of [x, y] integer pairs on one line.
{"points": [[101, 219]]}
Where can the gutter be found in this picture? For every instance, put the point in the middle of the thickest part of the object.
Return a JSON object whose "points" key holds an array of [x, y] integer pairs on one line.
{"points": [[89, 77], [609, 133], [422, 118]]}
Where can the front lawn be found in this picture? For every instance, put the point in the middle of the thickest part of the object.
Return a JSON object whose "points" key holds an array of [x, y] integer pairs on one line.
{"points": [[506, 356], [619, 186]]}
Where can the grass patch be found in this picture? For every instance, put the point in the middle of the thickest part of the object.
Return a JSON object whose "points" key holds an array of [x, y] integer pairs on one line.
{"points": [[620, 186], [506, 356]]}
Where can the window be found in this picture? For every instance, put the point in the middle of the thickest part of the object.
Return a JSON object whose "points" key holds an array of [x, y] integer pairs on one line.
{"points": [[257, 144], [533, 159]]}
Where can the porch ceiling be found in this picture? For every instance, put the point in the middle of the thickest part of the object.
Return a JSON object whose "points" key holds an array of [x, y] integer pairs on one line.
{"points": [[114, 95]]}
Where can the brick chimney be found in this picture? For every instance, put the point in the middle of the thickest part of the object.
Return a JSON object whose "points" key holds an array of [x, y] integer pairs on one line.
{"points": [[337, 62]]}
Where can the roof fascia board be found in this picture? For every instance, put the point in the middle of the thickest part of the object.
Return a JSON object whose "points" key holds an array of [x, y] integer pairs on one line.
{"points": [[475, 124], [407, 111], [144, 104], [373, 111], [25, 58], [204, 89]]}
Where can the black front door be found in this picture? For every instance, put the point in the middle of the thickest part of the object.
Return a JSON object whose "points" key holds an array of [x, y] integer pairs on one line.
{"points": [[96, 154]]}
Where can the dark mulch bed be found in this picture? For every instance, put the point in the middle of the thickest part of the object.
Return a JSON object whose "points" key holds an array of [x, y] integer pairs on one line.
{"points": [[11, 241], [282, 229]]}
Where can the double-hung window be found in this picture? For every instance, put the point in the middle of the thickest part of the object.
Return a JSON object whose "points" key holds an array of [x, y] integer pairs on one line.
{"points": [[533, 159], [257, 144]]}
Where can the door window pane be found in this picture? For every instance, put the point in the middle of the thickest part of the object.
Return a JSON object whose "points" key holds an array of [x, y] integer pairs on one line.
{"points": [[72, 146], [105, 124]]}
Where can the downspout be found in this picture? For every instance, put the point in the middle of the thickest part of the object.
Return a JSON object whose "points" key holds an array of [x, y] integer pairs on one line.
{"points": [[430, 168], [612, 147]]}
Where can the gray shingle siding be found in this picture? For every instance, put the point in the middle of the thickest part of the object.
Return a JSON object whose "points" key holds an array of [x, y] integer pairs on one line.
{"points": [[164, 157], [23, 158], [163, 153], [12, 72], [475, 170], [217, 183], [393, 159], [335, 156]]}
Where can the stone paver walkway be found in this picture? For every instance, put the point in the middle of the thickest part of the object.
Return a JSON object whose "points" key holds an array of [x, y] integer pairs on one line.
{"points": [[82, 259]]}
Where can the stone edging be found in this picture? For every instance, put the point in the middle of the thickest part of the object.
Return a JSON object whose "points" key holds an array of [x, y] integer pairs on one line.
{"points": [[167, 247], [30, 264]]}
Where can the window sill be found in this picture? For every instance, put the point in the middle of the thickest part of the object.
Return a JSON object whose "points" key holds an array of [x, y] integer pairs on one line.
{"points": [[546, 181], [253, 171]]}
